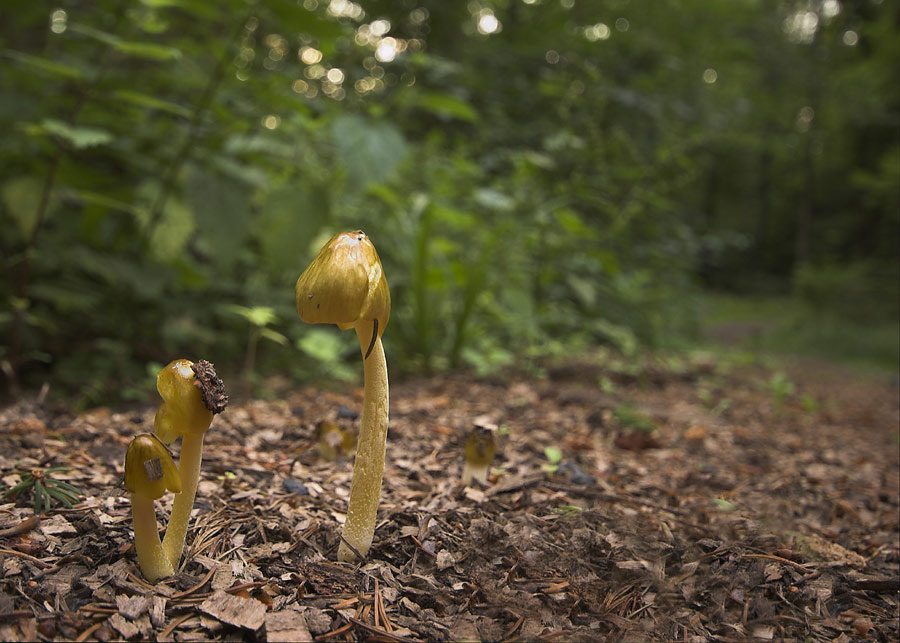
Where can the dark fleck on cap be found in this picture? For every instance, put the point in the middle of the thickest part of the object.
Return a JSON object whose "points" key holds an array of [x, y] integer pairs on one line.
{"points": [[212, 389]]}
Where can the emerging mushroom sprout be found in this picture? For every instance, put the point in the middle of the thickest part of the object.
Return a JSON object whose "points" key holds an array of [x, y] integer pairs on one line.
{"points": [[479, 450], [345, 285], [149, 471], [192, 394]]}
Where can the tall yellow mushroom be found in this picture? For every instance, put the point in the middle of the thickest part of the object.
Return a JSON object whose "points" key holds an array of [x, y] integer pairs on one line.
{"points": [[192, 393], [149, 471], [345, 285]]}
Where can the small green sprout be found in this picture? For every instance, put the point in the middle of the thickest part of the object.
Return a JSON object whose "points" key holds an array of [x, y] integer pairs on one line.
{"points": [[554, 457], [567, 510], [45, 489], [781, 388], [627, 416]]}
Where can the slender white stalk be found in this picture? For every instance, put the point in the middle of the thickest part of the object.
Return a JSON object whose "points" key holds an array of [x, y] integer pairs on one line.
{"points": [[189, 470], [152, 558], [368, 468], [472, 472]]}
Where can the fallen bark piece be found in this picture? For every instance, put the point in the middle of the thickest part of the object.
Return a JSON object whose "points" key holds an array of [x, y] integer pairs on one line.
{"points": [[287, 625], [234, 610], [123, 627], [132, 607]]}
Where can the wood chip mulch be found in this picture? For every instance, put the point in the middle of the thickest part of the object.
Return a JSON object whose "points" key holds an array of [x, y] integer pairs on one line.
{"points": [[690, 505]]}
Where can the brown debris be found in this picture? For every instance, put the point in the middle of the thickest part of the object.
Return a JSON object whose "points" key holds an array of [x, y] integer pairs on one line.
{"points": [[212, 389], [235, 610], [737, 523]]}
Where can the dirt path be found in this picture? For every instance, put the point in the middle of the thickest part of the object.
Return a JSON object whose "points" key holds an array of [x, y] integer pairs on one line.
{"points": [[690, 502]]}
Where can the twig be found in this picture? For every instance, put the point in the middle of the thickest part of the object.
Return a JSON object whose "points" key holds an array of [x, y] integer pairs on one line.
{"points": [[379, 632], [193, 589], [786, 561], [22, 528], [509, 634], [36, 561], [84, 636], [171, 626], [877, 584], [333, 633]]}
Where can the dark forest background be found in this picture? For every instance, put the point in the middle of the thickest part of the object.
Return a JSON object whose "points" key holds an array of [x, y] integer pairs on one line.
{"points": [[540, 177]]}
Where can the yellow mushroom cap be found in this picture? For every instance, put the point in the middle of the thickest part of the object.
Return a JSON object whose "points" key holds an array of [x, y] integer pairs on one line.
{"points": [[480, 446], [182, 408], [149, 469], [344, 284]]}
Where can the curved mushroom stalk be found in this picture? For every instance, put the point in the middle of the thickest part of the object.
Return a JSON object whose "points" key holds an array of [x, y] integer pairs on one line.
{"points": [[368, 468], [152, 558], [192, 394], [149, 471], [189, 467]]}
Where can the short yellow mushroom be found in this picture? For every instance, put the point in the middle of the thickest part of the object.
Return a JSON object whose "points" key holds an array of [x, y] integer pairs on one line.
{"points": [[192, 393], [479, 451], [345, 285], [149, 471]]}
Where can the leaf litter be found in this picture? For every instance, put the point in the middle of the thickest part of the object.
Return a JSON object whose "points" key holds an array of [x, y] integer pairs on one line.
{"points": [[686, 505]]}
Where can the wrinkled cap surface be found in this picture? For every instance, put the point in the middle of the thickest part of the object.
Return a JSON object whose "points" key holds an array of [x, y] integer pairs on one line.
{"points": [[149, 469], [344, 284], [182, 409]]}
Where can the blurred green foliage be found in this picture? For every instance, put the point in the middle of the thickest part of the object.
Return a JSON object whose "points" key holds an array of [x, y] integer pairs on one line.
{"points": [[538, 175]]}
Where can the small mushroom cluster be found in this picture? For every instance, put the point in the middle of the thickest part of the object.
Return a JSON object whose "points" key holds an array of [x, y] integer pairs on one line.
{"points": [[192, 394]]}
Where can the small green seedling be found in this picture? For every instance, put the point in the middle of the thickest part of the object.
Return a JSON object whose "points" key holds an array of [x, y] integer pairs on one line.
{"points": [[45, 489], [554, 457], [628, 417], [607, 385], [567, 510], [781, 388]]}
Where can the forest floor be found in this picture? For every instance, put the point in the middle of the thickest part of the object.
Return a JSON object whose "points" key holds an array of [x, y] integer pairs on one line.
{"points": [[698, 501]]}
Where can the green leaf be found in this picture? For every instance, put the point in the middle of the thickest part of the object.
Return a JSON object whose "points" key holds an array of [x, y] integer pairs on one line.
{"points": [[723, 504], [447, 106], [78, 137], [222, 211], [145, 50], [553, 454], [321, 345], [287, 222], [22, 197], [66, 71], [274, 336], [148, 51], [151, 102], [95, 198], [173, 231], [369, 150], [494, 200], [259, 316]]}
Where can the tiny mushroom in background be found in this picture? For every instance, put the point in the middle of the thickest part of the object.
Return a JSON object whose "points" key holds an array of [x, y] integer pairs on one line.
{"points": [[479, 450], [192, 393], [333, 442], [149, 471], [345, 285]]}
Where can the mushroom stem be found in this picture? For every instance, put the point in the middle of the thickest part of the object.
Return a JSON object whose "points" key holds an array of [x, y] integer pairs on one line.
{"points": [[189, 470], [152, 557], [472, 472], [368, 469]]}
